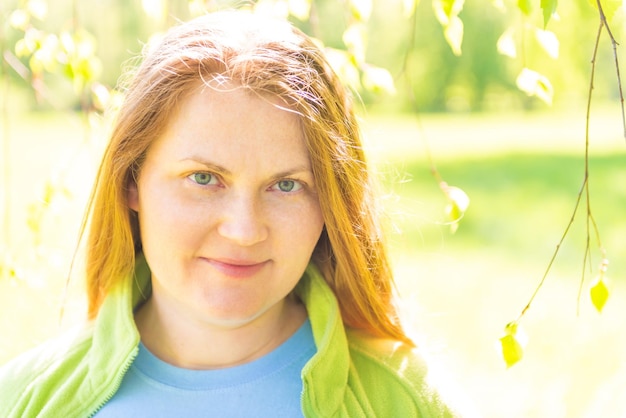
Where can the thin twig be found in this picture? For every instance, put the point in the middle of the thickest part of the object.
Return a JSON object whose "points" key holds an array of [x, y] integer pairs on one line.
{"points": [[614, 44], [584, 189], [580, 193], [404, 72], [582, 280], [556, 251], [6, 148]]}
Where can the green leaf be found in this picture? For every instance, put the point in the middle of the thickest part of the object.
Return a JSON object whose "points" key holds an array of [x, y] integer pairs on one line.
{"points": [[8, 266], [361, 9], [535, 84], [599, 293], [524, 6], [354, 38], [445, 10], [447, 7], [301, 9], [19, 19], [37, 8], [155, 9], [453, 33], [548, 41], [378, 80], [609, 7], [23, 48], [101, 96], [343, 64], [511, 346], [549, 8], [506, 44], [458, 202]]}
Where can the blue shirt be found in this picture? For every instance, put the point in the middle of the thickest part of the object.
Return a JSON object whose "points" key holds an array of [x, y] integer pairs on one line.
{"points": [[270, 386]]}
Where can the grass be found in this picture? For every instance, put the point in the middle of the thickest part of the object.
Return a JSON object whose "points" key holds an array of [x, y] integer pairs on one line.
{"points": [[466, 287], [522, 173]]}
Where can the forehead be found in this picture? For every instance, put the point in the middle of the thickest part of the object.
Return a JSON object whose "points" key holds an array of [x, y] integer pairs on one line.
{"points": [[230, 120]]}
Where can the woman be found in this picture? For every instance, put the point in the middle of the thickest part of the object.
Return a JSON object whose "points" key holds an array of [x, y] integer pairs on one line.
{"points": [[235, 263]]}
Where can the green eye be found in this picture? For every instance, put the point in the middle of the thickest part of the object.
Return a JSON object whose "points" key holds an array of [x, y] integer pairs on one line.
{"points": [[287, 186], [202, 178]]}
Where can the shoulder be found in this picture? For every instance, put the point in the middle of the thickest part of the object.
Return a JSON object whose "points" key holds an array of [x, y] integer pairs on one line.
{"points": [[32, 376], [395, 376]]}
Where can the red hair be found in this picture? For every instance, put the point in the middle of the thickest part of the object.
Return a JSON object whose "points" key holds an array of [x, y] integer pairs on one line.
{"points": [[268, 57]]}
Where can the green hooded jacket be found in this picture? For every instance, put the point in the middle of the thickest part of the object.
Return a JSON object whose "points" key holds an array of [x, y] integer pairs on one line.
{"points": [[351, 375]]}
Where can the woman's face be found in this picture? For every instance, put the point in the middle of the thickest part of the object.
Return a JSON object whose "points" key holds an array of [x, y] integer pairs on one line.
{"points": [[227, 205]]}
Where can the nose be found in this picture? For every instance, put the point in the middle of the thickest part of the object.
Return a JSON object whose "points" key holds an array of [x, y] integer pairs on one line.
{"points": [[242, 221]]}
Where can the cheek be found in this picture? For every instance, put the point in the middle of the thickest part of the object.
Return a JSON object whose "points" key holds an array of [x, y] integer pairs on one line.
{"points": [[165, 218], [300, 226]]}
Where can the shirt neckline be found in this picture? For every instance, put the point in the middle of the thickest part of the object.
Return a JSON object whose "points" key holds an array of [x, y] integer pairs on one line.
{"points": [[301, 343]]}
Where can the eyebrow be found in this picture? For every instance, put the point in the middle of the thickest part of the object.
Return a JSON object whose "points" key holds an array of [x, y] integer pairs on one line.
{"points": [[213, 167], [222, 171]]}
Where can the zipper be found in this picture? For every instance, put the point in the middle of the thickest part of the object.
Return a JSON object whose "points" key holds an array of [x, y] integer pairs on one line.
{"points": [[117, 383]]}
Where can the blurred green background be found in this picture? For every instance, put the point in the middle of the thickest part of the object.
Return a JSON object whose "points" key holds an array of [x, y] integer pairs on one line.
{"points": [[520, 162]]}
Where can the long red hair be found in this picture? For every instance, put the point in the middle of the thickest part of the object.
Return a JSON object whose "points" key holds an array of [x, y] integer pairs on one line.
{"points": [[269, 57]]}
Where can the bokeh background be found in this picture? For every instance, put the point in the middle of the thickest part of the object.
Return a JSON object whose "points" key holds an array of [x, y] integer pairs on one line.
{"points": [[520, 161]]}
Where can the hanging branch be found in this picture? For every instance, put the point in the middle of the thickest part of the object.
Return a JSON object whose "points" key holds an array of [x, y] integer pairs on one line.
{"points": [[512, 349], [6, 148], [458, 201], [605, 23]]}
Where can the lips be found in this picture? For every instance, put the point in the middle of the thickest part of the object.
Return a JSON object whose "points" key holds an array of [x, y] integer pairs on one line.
{"points": [[239, 269]]}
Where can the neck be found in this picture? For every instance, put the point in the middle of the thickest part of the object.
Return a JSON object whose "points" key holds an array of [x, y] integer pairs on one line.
{"points": [[191, 344]]}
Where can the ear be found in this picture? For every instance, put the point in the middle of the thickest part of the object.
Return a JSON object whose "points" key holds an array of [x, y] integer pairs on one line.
{"points": [[132, 195]]}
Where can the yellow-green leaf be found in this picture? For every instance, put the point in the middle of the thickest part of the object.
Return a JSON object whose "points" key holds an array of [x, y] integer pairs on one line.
{"points": [[378, 80], [361, 9], [37, 8], [8, 266], [609, 7], [100, 95], [512, 351], [506, 44], [458, 202], [548, 41], [512, 344], [599, 293], [448, 6], [524, 6], [549, 9], [354, 38], [453, 33], [35, 65], [344, 66], [197, 7], [19, 19], [155, 9], [445, 10], [85, 44], [22, 48], [535, 84], [301, 9], [67, 42]]}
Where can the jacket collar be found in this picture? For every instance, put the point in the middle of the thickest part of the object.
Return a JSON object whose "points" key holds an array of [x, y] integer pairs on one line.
{"points": [[325, 377]]}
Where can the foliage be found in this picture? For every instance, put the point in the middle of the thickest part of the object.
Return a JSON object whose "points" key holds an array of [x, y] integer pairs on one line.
{"points": [[42, 56]]}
